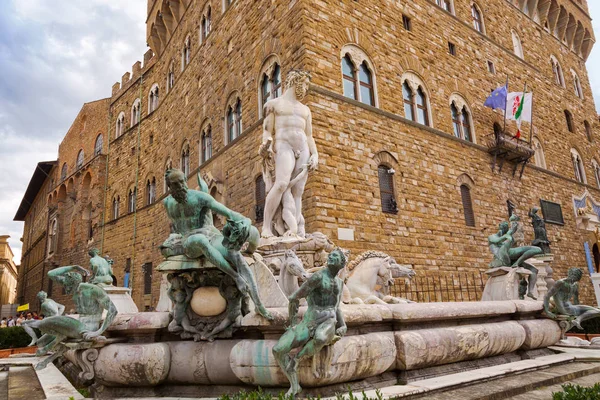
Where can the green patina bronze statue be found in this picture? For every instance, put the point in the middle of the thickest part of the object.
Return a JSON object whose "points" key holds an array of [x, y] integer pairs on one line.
{"points": [[322, 325], [505, 255], [90, 301], [101, 269], [48, 308], [194, 235], [565, 296]]}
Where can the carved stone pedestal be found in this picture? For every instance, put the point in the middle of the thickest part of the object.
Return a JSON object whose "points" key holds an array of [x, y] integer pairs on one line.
{"points": [[543, 264], [503, 284], [121, 298]]}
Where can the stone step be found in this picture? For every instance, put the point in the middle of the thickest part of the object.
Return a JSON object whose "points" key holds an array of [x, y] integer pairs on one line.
{"points": [[24, 384], [545, 393], [439, 387], [3, 385]]}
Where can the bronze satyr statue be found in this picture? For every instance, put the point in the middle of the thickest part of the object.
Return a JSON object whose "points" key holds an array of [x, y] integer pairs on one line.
{"points": [[101, 269], [48, 308], [539, 230], [505, 255], [565, 295], [322, 325], [190, 212]]}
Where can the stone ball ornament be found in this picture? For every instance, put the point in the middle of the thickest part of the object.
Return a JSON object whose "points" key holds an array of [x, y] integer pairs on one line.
{"points": [[208, 302]]}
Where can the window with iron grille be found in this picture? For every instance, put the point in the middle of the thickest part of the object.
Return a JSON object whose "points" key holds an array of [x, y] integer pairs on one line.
{"points": [[260, 196], [386, 188], [552, 213], [467, 203], [147, 268]]}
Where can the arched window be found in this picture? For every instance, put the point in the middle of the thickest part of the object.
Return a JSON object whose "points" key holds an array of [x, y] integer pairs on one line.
{"points": [[349, 73], [186, 53], [596, 168], [53, 240], [260, 196], [150, 191], [80, 156], [569, 120], [386, 189], [517, 46], [416, 103], [206, 25], [63, 172], [539, 157], [557, 71], [168, 166], [367, 94], [153, 98], [465, 193], [461, 121], [98, 145], [234, 120], [120, 125], [131, 199], [271, 84], [477, 18], [115, 207], [445, 4], [206, 144], [588, 130], [578, 166], [577, 85], [185, 160], [422, 112], [136, 112], [407, 94]]}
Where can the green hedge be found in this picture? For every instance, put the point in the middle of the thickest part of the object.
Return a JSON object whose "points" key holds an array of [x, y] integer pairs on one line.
{"points": [[13, 338], [576, 392]]}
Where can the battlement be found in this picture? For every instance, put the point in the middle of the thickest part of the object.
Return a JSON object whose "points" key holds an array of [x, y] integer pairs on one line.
{"points": [[136, 70]]}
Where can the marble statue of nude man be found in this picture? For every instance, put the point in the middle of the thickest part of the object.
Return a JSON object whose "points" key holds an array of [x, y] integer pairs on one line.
{"points": [[190, 212], [323, 323], [288, 146], [565, 294]]}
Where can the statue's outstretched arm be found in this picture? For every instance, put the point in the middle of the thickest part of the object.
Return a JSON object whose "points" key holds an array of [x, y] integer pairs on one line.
{"points": [[57, 273], [268, 126]]}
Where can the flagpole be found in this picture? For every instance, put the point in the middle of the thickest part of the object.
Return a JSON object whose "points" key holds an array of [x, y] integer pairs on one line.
{"points": [[505, 106], [531, 122]]}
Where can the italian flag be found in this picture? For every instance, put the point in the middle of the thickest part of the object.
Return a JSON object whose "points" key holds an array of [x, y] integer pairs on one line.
{"points": [[519, 107]]}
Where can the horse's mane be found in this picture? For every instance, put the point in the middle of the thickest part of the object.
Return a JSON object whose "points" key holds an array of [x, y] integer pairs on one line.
{"points": [[365, 256]]}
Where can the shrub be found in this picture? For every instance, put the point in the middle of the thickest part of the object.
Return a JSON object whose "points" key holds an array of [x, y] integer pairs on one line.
{"points": [[576, 392], [14, 337]]}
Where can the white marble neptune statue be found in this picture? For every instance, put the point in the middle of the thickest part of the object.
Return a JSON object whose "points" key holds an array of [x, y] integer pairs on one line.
{"points": [[289, 152]]}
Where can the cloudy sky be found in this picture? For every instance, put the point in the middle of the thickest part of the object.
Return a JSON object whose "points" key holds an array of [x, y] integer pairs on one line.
{"points": [[55, 56]]}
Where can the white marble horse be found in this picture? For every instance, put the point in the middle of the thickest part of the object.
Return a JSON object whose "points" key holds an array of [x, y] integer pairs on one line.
{"points": [[290, 271], [370, 269]]}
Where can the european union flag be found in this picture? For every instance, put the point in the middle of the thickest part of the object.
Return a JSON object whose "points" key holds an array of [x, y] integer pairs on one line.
{"points": [[497, 99]]}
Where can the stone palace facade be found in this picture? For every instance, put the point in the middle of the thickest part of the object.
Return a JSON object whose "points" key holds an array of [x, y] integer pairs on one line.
{"points": [[397, 99]]}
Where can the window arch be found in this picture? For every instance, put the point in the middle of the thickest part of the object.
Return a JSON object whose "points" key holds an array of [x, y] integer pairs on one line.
{"points": [[63, 172], [186, 52], [588, 131], [80, 157], [136, 109], [98, 145], [185, 160], [259, 196], [569, 121], [115, 207], [206, 25], [477, 18], [358, 77], [131, 200], [559, 77], [578, 166], [446, 5], [120, 125], [206, 143], [386, 189], [596, 169], [233, 119], [153, 98], [462, 119], [539, 157], [270, 82], [150, 191], [577, 85], [517, 45], [416, 99]]}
